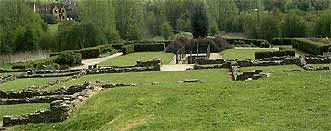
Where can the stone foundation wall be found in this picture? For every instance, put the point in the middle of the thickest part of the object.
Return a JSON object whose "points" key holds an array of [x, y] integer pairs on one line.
{"points": [[209, 61], [61, 106]]}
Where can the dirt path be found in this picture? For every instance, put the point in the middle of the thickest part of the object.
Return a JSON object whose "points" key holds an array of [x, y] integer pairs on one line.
{"points": [[88, 62]]}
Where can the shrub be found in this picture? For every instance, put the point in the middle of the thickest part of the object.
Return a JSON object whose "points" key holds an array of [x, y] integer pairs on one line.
{"points": [[92, 52], [309, 46], [256, 42], [149, 47], [178, 43], [127, 49], [34, 64], [281, 41], [70, 59], [268, 54]]}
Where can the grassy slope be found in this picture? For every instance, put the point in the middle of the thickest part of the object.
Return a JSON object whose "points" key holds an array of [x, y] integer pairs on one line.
{"points": [[20, 109], [21, 84], [131, 59], [285, 101], [242, 54]]}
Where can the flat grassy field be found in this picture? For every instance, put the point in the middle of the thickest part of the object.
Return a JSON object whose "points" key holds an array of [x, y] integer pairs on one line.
{"points": [[321, 65], [21, 84], [21, 109], [242, 54], [272, 68], [284, 101], [131, 59]]}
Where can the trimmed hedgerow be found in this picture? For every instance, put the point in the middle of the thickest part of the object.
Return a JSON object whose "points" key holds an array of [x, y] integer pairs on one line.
{"points": [[149, 47], [255, 42], [92, 52], [309, 46], [70, 59], [281, 41], [269, 54], [127, 49]]}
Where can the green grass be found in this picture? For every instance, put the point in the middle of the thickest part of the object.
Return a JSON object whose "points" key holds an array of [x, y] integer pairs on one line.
{"points": [[21, 109], [285, 101], [272, 68], [21, 84], [131, 59], [6, 74], [242, 54], [53, 29], [321, 65]]}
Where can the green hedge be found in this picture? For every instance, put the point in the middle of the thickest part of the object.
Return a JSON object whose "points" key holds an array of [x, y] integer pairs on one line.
{"points": [[281, 41], [269, 54], [91, 52], [70, 59], [127, 49], [149, 47], [309, 46], [63, 59], [256, 42]]}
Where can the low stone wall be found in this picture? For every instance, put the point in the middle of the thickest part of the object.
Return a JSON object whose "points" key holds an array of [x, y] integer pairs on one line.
{"points": [[7, 78], [304, 64], [61, 106], [318, 59], [13, 70], [153, 65], [209, 61]]}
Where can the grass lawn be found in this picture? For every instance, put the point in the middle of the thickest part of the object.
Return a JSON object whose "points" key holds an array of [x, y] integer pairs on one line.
{"points": [[53, 29], [272, 68], [321, 65], [21, 84], [6, 74], [21, 109], [131, 59], [242, 54], [285, 101]]}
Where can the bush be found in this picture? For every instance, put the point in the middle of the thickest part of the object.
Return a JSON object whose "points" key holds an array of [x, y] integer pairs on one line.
{"points": [[34, 64], [177, 44], [309, 46], [149, 47], [127, 49], [269, 54], [256, 42], [281, 41], [92, 52], [70, 59]]}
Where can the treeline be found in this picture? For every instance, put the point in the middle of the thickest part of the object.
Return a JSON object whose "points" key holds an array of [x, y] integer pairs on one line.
{"points": [[107, 21]]}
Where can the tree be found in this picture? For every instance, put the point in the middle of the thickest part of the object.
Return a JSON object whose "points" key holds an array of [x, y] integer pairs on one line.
{"points": [[294, 25], [270, 27], [323, 25], [167, 32], [102, 15], [23, 28], [130, 19], [199, 21]]}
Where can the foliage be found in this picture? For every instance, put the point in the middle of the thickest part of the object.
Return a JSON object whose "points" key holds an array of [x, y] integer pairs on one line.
{"points": [[129, 19], [199, 20], [127, 49], [268, 54], [309, 46], [294, 25], [166, 31], [153, 47], [21, 28], [70, 59]]}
